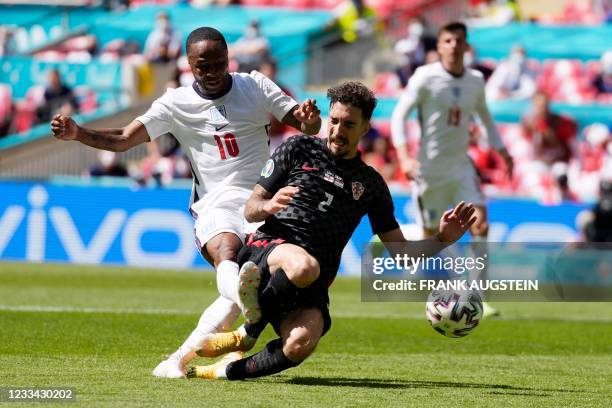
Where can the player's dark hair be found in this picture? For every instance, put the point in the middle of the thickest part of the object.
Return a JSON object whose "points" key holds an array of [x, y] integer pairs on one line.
{"points": [[355, 94], [205, 33], [453, 26]]}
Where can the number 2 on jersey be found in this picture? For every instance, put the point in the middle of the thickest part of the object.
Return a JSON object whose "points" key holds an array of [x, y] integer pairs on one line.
{"points": [[326, 203], [230, 144], [454, 116]]}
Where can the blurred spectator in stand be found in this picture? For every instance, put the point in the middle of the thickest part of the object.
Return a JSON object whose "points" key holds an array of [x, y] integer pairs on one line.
{"points": [[470, 61], [489, 165], [412, 49], [512, 79], [108, 165], [58, 98], [206, 3], [251, 50], [163, 43], [492, 12], [7, 109], [591, 164], [379, 155], [7, 44], [551, 135], [354, 19], [603, 81], [277, 130], [599, 227]]}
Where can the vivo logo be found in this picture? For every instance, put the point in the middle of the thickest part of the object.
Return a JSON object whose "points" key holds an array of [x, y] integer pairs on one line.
{"points": [[116, 224]]}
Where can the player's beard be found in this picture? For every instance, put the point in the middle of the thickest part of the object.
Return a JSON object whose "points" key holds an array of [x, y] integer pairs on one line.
{"points": [[340, 150]]}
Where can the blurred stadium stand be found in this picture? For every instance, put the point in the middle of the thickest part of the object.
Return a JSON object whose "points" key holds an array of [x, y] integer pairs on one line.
{"points": [[97, 49]]}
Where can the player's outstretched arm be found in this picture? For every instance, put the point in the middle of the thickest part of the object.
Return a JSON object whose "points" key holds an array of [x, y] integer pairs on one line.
{"points": [[305, 117], [115, 140], [453, 224], [263, 203]]}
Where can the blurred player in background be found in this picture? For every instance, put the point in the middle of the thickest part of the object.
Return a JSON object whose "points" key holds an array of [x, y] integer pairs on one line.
{"points": [[312, 194], [446, 95], [220, 122]]}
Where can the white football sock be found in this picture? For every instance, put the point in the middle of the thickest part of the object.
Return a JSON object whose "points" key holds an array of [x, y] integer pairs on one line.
{"points": [[218, 317], [221, 372], [227, 280]]}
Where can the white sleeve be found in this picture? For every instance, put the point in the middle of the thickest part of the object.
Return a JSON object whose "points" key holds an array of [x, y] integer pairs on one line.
{"points": [[276, 101], [487, 120], [158, 119], [411, 97]]}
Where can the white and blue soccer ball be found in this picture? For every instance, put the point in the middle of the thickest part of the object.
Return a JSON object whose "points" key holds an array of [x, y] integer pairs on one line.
{"points": [[454, 313]]}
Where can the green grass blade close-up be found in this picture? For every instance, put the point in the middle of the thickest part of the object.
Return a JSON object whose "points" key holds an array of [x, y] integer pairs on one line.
{"points": [[102, 330]]}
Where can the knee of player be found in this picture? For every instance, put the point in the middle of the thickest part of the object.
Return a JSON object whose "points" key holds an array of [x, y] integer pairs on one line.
{"points": [[300, 344], [303, 270], [223, 250]]}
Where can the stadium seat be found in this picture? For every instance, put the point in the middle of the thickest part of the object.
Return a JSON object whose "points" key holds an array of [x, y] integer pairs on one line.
{"points": [[298, 4], [86, 98], [50, 56], [256, 3], [22, 39], [6, 100], [38, 36]]}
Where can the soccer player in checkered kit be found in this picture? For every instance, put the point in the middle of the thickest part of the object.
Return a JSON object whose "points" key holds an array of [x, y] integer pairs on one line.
{"points": [[312, 194], [221, 124]]}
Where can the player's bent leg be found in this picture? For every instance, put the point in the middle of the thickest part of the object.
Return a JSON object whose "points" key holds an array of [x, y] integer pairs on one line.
{"points": [[219, 316], [301, 332], [299, 267], [222, 250]]}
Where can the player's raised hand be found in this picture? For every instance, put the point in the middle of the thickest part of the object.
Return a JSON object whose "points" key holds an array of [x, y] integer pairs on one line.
{"points": [[308, 112], [64, 127], [410, 167], [280, 200], [456, 221]]}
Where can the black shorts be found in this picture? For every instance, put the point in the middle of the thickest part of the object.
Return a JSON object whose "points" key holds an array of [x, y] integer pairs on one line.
{"points": [[316, 295]]}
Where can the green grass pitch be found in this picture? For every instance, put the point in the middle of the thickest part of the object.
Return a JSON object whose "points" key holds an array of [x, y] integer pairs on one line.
{"points": [[102, 330]]}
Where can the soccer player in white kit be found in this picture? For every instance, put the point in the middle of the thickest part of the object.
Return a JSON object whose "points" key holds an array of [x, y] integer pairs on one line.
{"points": [[221, 123], [446, 94]]}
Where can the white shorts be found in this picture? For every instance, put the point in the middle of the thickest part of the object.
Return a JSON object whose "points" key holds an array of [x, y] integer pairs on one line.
{"points": [[226, 214], [214, 221], [434, 197]]}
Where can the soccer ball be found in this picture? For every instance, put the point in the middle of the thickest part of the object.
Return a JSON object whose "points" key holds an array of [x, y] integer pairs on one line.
{"points": [[454, 313]]}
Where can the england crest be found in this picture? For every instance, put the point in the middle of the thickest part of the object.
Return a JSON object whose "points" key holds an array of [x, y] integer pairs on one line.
{"points": [[358, 190]]}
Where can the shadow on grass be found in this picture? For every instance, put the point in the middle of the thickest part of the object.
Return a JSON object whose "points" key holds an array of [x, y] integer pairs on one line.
{"points": [[502, 389]]}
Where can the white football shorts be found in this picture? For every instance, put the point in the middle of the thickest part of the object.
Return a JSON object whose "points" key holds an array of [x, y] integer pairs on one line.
{"points": [[225, 213], [434, 197]]}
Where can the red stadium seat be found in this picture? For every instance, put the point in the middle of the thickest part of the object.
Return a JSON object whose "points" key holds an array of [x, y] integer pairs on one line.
{"points": [[256, 3], [6, 98]]}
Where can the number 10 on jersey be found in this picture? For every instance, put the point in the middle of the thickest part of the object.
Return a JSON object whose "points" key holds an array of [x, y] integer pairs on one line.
{"points": [[231, 146]]}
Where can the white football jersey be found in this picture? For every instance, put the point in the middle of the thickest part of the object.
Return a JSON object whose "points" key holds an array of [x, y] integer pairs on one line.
{"points": [[444, 105], [225, 139]]}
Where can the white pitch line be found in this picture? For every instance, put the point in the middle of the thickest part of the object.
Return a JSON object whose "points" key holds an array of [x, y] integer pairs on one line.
{"points": [[69, 309], [179, 312]]}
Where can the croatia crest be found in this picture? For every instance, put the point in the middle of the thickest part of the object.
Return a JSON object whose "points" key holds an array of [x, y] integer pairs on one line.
{"points": [[358, 190]]}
